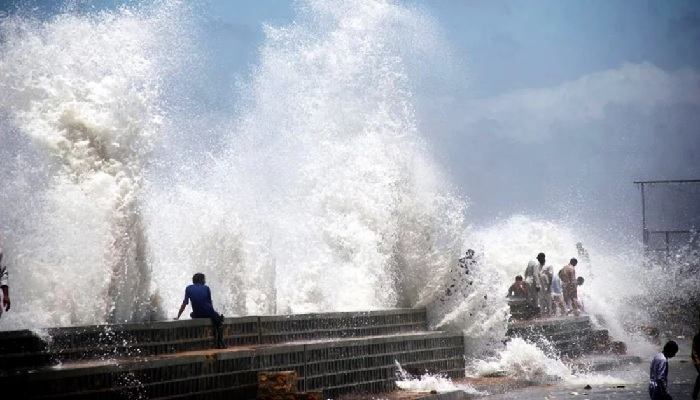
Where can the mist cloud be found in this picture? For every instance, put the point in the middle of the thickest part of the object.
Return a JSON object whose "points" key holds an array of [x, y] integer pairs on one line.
{"points": [[575, 147], [540, 114]]}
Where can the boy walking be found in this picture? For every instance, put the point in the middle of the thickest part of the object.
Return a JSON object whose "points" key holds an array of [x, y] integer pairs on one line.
{"points": [[658, 373]]}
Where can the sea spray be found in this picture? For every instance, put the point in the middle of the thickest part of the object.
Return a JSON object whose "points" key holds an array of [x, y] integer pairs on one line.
{"points": [[81, 95], [324, 198], [521, 360], [337, 202], [429, 382], [320, 193]]}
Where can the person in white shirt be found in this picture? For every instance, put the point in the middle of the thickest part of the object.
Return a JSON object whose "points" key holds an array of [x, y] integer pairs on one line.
{"points": [[658, 372], [557, 296], [545, 295], [533, 276]]}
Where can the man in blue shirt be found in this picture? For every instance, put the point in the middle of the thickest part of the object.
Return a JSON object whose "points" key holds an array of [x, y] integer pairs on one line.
{"points": [[658, 373], [200, 296]]}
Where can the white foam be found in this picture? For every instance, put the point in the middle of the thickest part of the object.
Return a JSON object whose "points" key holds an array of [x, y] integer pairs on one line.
{"points": [[521, 360], [430, 382]]}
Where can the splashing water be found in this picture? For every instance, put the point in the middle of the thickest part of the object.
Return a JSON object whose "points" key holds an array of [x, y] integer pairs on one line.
{"points": [[330, 198], [477, 305], [429, 382], [322, 196], [324, 199], [522, 360], [526, 361], [80, 93]]}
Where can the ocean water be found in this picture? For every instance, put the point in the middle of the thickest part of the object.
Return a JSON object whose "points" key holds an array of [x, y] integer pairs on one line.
{"points": [[315, 191]]}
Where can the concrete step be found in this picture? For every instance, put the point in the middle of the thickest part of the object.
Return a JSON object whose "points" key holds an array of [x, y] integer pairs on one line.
{"points": [[568, 336], [602, 362], [24, 349], [337, 366]]}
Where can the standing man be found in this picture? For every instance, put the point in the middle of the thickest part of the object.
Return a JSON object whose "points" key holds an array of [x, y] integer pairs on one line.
{"points": [[658, 373], [200, 295], [533, 274], [570, 285], [695, 355], [4, 285], [545, 295], [557, 296]]}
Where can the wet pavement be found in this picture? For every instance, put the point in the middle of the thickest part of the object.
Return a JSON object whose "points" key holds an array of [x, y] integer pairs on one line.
{"points": [[626, 380], [631, 384]]}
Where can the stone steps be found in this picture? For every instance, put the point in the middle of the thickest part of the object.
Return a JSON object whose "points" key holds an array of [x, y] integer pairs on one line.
{"points": [[24, 349], [566, 336], [335, 353]]}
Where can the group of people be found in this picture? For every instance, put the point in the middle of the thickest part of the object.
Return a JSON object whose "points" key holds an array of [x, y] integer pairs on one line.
{"points": [[546, 290]]}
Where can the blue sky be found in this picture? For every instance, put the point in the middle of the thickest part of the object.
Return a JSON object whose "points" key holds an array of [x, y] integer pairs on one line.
{"points": [[509, 44], [520, 44]]}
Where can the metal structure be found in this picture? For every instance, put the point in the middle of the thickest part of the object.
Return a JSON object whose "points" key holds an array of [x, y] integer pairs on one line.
{"points": [[647, 233]]}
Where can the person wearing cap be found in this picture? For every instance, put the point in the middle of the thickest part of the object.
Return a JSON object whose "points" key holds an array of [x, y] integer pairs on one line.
{"points": [[5, 286]]}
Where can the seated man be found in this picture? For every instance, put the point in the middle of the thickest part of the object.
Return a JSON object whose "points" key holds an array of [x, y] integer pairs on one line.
{"points": [[518, 299], [200, 295], [518, 289]]}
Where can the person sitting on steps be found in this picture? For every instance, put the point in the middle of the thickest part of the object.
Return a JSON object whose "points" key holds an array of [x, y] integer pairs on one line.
{"points": [[518, 289], [200, 295]]}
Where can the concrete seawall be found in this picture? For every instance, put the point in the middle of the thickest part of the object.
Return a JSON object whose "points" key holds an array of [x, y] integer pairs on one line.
{"points": [[335, 353]]}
